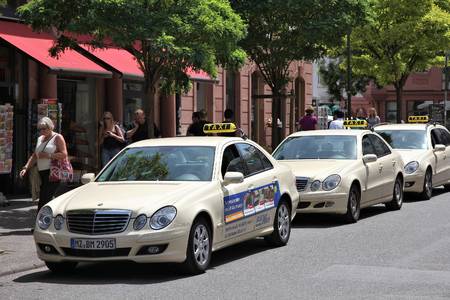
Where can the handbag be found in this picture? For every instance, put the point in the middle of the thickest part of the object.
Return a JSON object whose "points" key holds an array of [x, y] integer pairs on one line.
{"points": [[61, 171]]}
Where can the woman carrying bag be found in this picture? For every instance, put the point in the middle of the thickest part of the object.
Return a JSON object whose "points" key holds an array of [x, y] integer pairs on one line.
{"points": [[51, 159]]}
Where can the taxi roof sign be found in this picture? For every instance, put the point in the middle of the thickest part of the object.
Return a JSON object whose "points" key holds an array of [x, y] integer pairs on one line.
{"points": [[355, 123], [219, 128], [418, 119]]}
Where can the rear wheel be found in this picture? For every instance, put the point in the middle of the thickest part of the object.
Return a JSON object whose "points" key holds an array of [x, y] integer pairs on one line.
{"points": [[427, 191], [62, 267], [281, 226], [198, 252], [397, 196], [353, 205]]}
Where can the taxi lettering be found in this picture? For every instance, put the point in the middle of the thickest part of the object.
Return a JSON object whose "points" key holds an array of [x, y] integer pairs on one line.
{"points": [[418, 119], [355, 123], [219, 128]]}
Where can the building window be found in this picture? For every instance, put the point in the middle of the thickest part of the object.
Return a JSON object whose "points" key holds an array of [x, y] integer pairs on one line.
{"points": [[201, 96], [231, 92], [133, 99], [391, 112], [419, 108]]}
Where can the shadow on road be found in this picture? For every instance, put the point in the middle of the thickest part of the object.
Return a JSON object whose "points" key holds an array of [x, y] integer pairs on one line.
{"points": [[134, 273], [333, 220], [19, 215], [415, 197]]}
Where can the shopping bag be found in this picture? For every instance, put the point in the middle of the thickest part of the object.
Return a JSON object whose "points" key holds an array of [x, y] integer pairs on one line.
{"points": [[61, 171]]}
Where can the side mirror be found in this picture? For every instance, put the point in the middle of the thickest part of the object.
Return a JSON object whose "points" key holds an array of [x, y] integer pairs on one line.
{"points": [[233, 177], [439, 148], [88, 177], [369, 158]]}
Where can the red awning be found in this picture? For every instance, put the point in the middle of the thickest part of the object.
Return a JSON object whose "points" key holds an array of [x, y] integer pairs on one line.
{"points": [[36, 45], [123, 62]]}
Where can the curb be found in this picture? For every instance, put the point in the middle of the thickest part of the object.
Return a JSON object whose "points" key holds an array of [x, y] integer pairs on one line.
{"points": [[22, 269]]}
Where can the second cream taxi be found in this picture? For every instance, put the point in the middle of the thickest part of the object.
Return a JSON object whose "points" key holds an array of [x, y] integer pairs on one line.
{"points": [[170, 200], [342, 171]]}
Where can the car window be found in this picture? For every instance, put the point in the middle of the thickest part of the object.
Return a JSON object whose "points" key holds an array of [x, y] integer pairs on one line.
{"points": [[435, 137], [380, 147], [367, 146], [404, 139], [252, 158], [232, 161], [444, 136], [266, 162]]}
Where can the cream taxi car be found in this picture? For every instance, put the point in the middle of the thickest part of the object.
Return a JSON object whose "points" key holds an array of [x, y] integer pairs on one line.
{"points": [[170, 200], [425, 149], [342, 171]]}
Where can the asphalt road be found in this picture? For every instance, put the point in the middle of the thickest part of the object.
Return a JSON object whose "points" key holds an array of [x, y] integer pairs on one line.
{"points": [[396, 255]]}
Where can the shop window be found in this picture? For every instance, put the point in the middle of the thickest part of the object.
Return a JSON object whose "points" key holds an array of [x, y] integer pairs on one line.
{"points": [[133, 99], [418, 108], [391, 112]]}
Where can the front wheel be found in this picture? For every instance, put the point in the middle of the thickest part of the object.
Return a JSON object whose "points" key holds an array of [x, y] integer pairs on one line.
{"points": [[427, 191], [353, 205], [281, 226], [62, 267], [397, 196], [198, 252]]}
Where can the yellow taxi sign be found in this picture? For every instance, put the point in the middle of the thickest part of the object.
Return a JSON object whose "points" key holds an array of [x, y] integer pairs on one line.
{"points": [[418, 119], [219, 128], [355, 123]]}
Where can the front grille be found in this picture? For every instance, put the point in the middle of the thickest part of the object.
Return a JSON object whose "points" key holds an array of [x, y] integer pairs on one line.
{"points": [[97, 253], [96, 222], [301, 183]]}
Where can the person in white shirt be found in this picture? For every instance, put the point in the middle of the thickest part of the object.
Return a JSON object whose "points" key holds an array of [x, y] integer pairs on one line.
{"points": [[339, 122]]}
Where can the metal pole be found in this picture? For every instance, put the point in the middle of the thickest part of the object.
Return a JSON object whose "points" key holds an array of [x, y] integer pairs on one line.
{"points": [[445, 88], [349, 76]]}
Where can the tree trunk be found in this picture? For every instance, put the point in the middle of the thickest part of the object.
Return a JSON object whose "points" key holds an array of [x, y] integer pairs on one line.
{"points": [[399, 94], [150, 92], [276, 109]]}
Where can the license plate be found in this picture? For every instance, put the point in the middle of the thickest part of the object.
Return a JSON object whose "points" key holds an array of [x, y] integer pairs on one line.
{"points": [[93, 244]]}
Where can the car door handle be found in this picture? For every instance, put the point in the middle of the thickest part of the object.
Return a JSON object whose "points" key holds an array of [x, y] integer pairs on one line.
{"points": [[393, 163], [380, 168]]}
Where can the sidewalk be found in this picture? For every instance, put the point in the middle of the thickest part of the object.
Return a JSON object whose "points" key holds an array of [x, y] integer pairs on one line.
{"points": [[17, 249]]}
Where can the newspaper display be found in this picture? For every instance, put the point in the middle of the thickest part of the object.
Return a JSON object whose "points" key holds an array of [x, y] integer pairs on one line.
{"points": [[6, 137], [322, 117]]}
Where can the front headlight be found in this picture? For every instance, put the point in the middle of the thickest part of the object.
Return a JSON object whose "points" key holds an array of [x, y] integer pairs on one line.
{"points": [[45, 217], [140, 222], [163, 217], [58, 222], [411, 167], [331, 182], [315, 185]]}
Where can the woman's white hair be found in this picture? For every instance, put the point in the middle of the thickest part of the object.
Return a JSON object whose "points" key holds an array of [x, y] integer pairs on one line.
{"points": [[47, 122]]}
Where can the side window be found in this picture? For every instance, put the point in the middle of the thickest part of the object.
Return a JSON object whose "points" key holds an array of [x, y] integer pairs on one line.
{"points": [[445, 136], [435, 139], [251, 158], [266, 162], [367, 147], [380, 147], [232, 161]]}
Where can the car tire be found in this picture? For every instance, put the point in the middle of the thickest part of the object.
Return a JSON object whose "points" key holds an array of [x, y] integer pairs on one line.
{"points": [[427, 190], [397, 195], [447, 187], [61, 267], [353, 205], [198, 252], [281, 226]]}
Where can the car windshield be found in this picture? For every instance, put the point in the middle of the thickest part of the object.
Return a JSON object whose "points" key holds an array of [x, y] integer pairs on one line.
{"points": [[405, 139], [167, 163], [317, 147]]}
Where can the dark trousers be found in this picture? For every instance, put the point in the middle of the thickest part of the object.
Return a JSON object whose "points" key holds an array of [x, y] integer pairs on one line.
{"points": [[48, 189]]}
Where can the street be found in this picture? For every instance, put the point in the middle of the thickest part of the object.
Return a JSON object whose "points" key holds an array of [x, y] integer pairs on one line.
{"points": [[401, 254]]}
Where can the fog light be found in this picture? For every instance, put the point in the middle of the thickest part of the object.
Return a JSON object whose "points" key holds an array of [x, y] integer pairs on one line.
{"points": [[152, 249], [409, 184], [48, 249]]}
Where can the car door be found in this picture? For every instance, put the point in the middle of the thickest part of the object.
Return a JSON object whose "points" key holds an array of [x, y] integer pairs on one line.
{"points": [[387, 162], [439, 157], [236, 220], [262, 186], [373, 183]]}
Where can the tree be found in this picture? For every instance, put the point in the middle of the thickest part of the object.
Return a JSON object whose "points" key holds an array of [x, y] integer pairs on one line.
{"points": [[166, 37], [283, 31], [333, 73], [400, 37]]}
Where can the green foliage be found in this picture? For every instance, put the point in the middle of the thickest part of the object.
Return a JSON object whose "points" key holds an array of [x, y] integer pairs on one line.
{"points": [[400, 37], [165, 36], [282, 31], [334, 75], [139, 167]]}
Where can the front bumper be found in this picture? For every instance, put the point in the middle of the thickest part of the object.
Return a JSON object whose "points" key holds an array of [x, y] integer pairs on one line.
{"points": [[323, 202], [129, 246], [414, 182]]}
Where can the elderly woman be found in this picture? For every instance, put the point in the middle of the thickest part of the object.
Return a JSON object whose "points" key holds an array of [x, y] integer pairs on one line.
{"points": [[50, 145]]}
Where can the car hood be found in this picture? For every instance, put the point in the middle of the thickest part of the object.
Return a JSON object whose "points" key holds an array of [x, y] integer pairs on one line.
{"points": [[318, 168], [412, 155], [144, 197]]}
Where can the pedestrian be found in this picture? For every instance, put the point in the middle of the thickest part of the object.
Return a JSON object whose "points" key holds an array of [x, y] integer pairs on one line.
{"points": [[193, 127], [111, 138], [228, 118], [198, 121], [309, 121], [138, 131], [50, 146], [339, 122], [373, 118], [360, 114]]}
